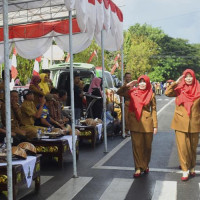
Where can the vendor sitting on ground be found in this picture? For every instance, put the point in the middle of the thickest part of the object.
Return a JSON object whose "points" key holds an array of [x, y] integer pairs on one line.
{"points": [[30, 113], [112, 122], [45, 119]]}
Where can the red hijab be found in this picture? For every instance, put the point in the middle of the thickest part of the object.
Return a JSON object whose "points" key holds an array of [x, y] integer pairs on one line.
{"points": [[34, 81], [140, 98], [187, 94]]}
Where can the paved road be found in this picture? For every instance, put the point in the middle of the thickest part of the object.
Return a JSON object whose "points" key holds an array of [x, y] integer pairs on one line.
{"points": [[109, 177]]}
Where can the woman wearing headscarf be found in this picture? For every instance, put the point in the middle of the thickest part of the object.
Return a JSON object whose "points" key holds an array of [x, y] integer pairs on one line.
{"points": [[35, 88], [44, 83], [142, 121], [186, 121], [96, 90]]}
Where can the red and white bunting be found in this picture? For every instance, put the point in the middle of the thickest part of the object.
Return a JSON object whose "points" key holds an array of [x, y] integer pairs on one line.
{"points": [[14, 71], [67, 58], [36, 68], [94, 53]]}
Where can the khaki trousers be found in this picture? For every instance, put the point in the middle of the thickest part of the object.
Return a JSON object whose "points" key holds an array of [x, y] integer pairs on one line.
{"points": [[141, 144], [187, 149], [31, 131]]}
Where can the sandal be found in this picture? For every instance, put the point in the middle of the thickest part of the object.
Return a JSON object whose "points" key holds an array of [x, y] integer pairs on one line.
{"points": [[137, 173], [146, 171], [192, 172]]}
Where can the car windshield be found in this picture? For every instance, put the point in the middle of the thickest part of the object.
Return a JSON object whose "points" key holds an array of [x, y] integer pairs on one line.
{"points": [[64, 78]]}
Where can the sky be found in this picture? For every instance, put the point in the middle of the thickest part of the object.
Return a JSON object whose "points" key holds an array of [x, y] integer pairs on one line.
{"points": [[177, 18]]}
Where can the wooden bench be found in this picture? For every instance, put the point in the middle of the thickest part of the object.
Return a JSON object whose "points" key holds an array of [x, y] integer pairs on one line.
{"points": [[54, 149], [88, 132], [19, 178]]}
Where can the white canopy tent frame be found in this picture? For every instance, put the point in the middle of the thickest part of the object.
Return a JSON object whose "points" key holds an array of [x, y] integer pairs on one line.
{"points": [[32, 20]]}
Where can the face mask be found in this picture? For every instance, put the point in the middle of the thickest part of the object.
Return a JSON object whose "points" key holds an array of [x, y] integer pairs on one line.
{"points": [[142, 84]]}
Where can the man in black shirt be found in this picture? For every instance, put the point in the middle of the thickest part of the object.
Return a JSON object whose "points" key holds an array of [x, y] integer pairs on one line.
{"points": [[78, 95]]}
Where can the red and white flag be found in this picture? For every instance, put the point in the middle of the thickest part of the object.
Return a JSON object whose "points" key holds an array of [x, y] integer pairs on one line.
{"points": [[14, 71], [36, 68], [115, 66], [67, 58], [94, 53]]}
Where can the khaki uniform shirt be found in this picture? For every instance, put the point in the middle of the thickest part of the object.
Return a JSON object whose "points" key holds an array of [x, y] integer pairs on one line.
{"points": [[36, 93], [28, 110], [16, 117], [148, 120], [181, 120]]}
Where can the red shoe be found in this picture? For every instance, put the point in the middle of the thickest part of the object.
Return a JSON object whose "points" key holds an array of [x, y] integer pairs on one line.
{"points": [[193, 174], [137, 174], [146, 171], [184, 178]]}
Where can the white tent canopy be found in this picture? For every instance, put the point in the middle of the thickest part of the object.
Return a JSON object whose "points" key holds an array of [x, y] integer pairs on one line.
{"points": [[34, 24], [54, 53]]}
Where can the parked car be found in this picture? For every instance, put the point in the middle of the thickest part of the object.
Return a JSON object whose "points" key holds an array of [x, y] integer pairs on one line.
{"points": [[60, 73]]}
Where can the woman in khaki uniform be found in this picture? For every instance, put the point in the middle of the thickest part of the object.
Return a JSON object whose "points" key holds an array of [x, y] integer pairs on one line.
{"points": [[186, 122], [142, 121], [35, 88], [30, 113]]}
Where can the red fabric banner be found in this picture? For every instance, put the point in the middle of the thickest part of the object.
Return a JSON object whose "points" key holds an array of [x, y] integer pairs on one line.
{"points": [[40, 29]]}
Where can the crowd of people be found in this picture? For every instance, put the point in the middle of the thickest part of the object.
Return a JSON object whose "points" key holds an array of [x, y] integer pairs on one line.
{"points": [[42, 107]]}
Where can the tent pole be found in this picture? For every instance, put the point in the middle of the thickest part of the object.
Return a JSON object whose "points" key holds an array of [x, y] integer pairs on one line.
{"points": [[7, 99], [104, 95], [122, 78], [51, 61], [72, 96]]}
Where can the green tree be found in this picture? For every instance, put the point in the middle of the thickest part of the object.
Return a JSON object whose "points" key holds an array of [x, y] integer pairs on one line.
{"points": [[139, 56], [25, 69]]}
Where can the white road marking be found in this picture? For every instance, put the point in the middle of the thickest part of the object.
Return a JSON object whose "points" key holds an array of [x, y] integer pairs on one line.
{"points": [[24, 191], [166, 99], [165, 190], [199, 190], [117, 190], [165, 106], [110, 154], [120, 145], [177, 171], [158, 99], [70, 189]]}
